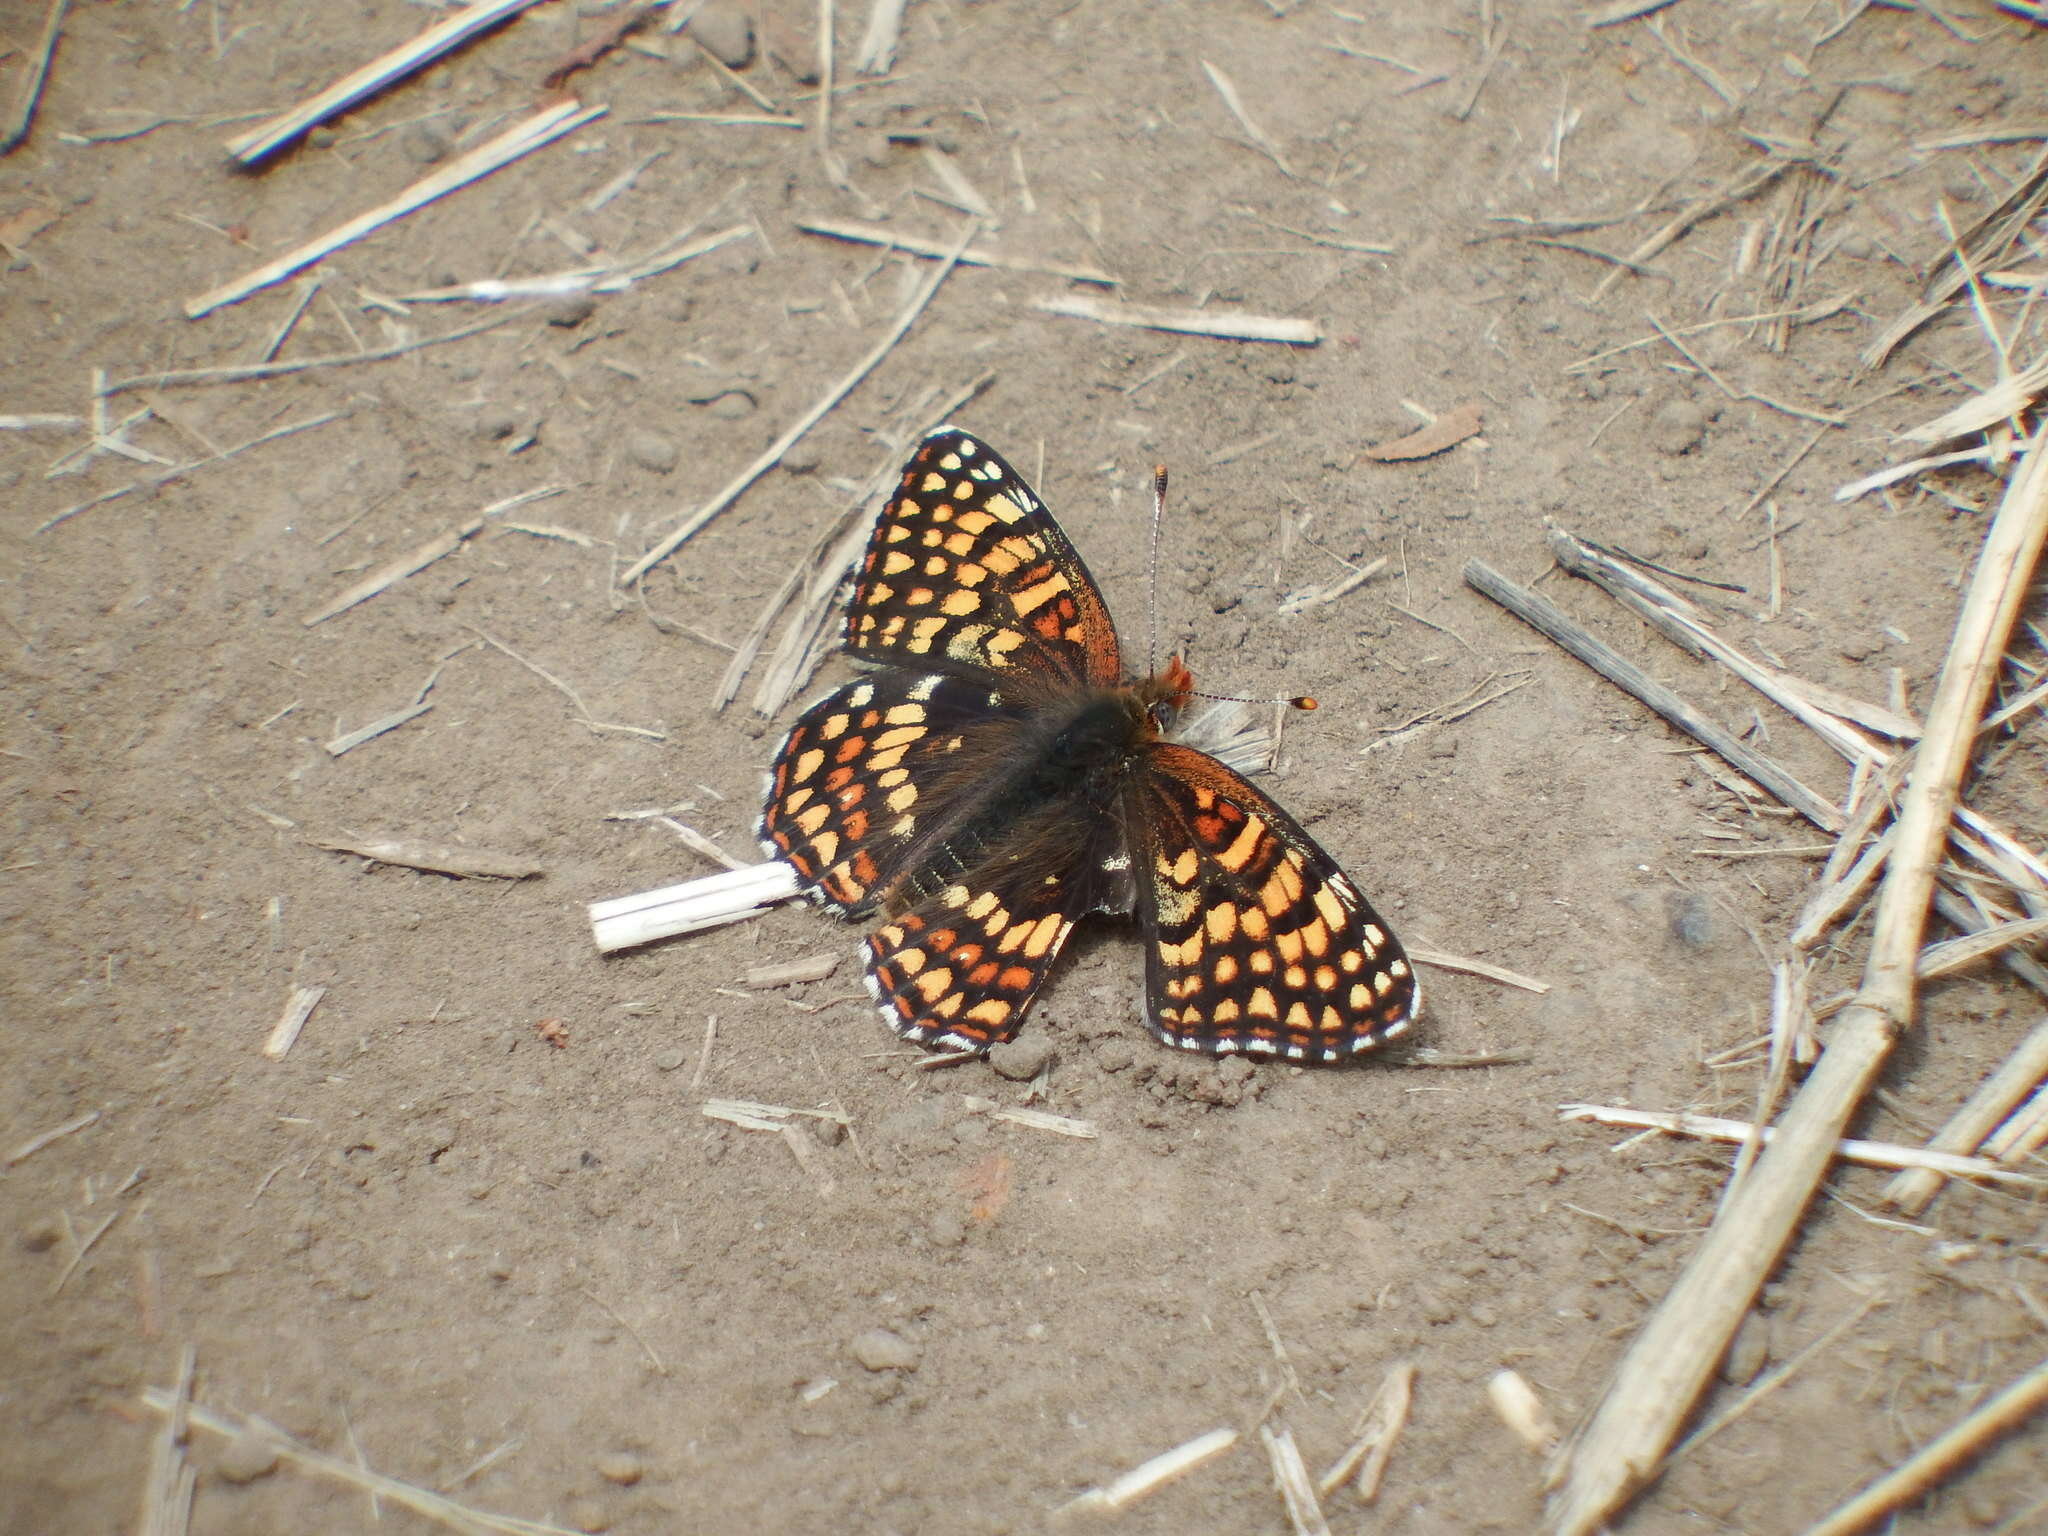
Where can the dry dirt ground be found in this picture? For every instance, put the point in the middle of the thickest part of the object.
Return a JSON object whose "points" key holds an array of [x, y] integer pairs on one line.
{"points": [[486, 1261]]}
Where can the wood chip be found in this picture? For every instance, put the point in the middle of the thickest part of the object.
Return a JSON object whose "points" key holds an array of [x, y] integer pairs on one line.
{"points": [[463, 863], [1447, 431], [297, 1009], [790, 973], [1149, 1475]]}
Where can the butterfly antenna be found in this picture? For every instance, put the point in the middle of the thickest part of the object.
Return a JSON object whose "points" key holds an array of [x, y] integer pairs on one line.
{"points": [[1299, 701], [1152, 577]]}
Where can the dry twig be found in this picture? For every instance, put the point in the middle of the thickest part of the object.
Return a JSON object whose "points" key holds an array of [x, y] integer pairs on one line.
{"points": [[421, 1501], [1871, 1154], [436, 858], [972, 256], [1193, 322], [544, 127], [1656, 1384], [1543, 615], [401, 61], [1940, 1456], [773, 453], [15, 128]]}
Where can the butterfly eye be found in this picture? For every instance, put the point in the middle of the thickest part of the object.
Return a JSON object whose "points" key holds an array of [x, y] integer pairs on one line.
{"points": [[1163, 715]]}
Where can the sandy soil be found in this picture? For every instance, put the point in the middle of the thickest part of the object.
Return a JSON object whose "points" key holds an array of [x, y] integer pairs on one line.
{"points": [[431, 1236]]}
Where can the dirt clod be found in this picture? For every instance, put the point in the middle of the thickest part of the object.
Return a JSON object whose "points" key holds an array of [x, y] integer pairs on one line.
{"points": [[879, 1349], [1022, 1059], [1676, 427], [248, 1455], [726, 30]]}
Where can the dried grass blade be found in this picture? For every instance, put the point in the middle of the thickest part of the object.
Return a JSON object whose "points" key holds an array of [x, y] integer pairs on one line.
{"points": [[444, 36], [544, 127]]}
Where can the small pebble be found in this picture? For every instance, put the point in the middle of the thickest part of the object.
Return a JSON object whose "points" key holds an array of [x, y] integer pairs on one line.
{"points": [[569, 311], [1235, 1069], [1021, 1060], [651, 451], [589, 1516], [425, 143], [1677, 427], [1692, 919], [668, 1061], [880, 1350], [1115, 1057], [495, 422], [1857, 247], [829, 1132], [947, 1230], [322, 137], [621, 1467], [732, 405], [41, 1236], [1749, 1353], [247, 1457], [725, 28]]}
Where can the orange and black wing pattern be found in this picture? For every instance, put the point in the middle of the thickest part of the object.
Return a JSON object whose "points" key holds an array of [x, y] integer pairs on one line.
{"points": [[993, 778], [968, 572], [852, 791], [1257, 941], [959, 970]]}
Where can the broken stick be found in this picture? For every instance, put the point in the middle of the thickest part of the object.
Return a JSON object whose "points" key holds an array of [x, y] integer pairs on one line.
{"points": [[1545, 617]]}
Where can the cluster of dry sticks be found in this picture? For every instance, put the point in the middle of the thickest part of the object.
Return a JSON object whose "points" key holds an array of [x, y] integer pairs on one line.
{"points": [[1936, 853]]}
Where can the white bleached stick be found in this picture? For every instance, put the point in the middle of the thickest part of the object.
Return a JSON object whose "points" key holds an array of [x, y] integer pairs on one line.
{"points": [[727, 897], [457, 29], [1146, 1476], [544, 127], [1874, 1154], [973, 256], [885, 29]]}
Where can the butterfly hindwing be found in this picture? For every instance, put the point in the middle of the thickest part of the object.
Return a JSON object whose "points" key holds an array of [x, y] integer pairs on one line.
{"points": [[960, 969], [855, 779], [1256, 940], [967, 571]]}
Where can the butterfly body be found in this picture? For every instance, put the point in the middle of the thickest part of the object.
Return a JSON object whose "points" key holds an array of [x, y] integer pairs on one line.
{"points": [[996, 777]]}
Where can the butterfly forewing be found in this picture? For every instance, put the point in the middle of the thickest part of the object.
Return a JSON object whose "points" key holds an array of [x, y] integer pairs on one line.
{"points": [[967, 570], [1258, 941]]}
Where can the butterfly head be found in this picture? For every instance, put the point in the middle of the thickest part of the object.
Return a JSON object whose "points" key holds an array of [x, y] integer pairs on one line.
{"points": [[1166, 694]]}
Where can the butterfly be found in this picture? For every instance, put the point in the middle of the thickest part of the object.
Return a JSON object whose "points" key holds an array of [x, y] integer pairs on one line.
{"points": [[994, 777]]}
